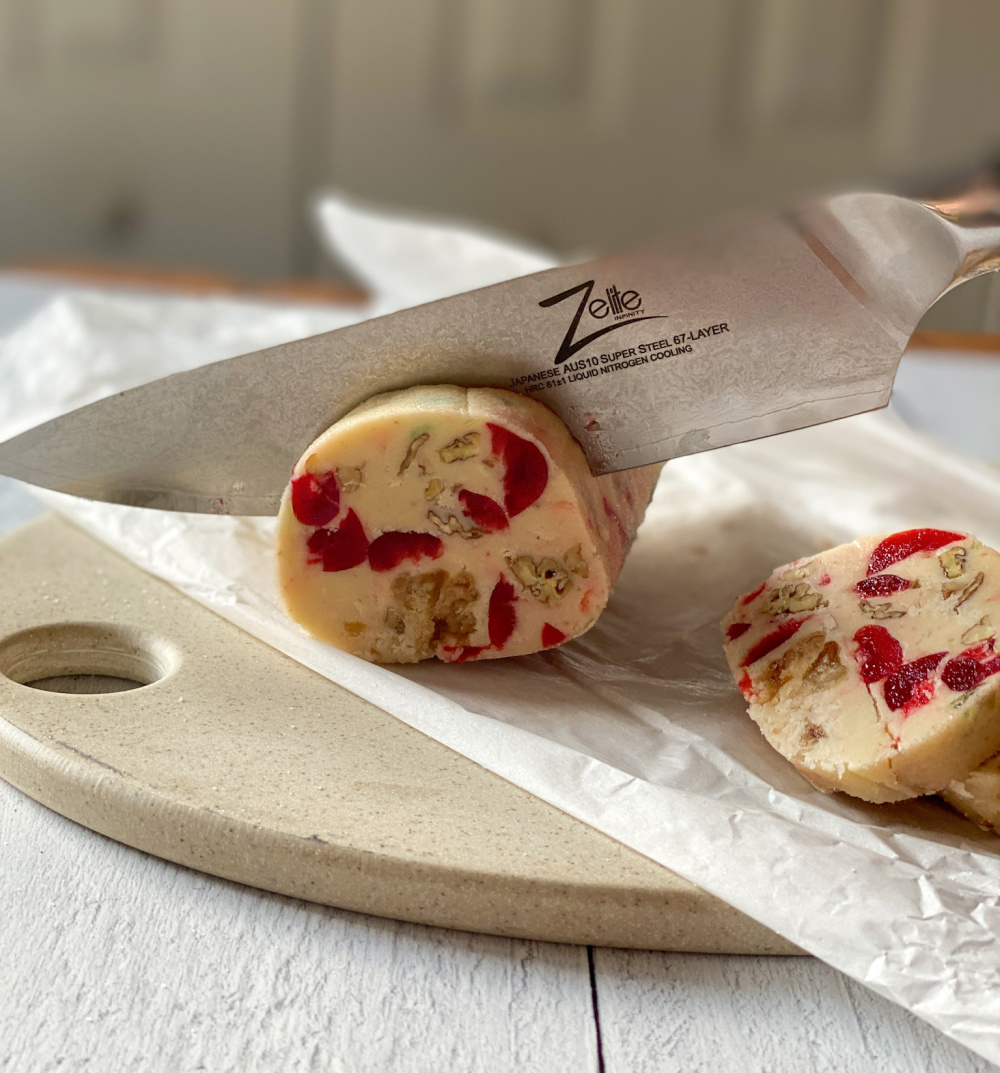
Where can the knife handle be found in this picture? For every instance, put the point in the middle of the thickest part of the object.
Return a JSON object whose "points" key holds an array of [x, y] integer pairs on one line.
{"points": [[973, 213]]}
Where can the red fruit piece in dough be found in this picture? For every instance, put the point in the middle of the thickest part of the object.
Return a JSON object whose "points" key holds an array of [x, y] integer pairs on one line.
{"points": [[903, 545], [899, 687], [551, 636], [751, 596], [613, 516], [963, 672], [315, 498], [526, 473], [503, 617], [737, 629], [771, 641], [991, 667], [879, 653], [882, 585], [470, 652], [484, 512], [746, 686], [340, 548], [390, 549]]}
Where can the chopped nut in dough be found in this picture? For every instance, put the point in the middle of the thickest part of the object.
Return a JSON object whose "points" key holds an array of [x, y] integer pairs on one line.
{"points": [[812, 664], [351, 477], [461, 448], [453, 527], [953, 562], [411, 452], [880, 611], [982, 631], [970, 589], [790, 599], [576, 562], [545, 580]]}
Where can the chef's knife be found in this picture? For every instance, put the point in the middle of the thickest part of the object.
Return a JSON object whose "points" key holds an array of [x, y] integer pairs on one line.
{"points": [[742, 330]]}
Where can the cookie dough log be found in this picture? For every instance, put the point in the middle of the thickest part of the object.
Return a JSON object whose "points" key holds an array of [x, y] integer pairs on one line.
{"points": [[462, 523], [873, 667]]}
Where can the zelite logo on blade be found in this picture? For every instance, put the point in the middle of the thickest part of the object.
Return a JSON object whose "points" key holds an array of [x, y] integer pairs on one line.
{"points": [[624, 307]]}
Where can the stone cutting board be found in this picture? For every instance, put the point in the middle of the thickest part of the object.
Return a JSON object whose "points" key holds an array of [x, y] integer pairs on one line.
{"points": [[237, 761]]}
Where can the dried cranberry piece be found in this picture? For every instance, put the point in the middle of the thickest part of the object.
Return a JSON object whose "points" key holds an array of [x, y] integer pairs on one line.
{"points": [[746, 686], [980, 651], [551, 636], [751, 596], [879, 653], [965, 671], [613, 516], [737, 629], [771, 641], [484, 512], [316, 545], [882, 585], [390, 549], [902, 545], [991, 667], [899, 687], [469, 652], [315, 499], [503, 617], [526, 473], [340, 548], [962, 673]]}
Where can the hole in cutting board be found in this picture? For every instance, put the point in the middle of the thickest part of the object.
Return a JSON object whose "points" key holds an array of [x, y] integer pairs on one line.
{"points": [[86, 658], [85, 683]]}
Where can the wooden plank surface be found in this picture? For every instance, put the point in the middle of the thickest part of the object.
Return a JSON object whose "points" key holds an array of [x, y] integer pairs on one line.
{"points": [[113, 960], [703, 1013]]}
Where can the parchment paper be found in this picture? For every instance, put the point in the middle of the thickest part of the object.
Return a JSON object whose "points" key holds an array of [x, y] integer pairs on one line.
{"points": [[636, 728]]}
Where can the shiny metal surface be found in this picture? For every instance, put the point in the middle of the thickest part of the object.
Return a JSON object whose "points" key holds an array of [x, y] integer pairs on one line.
{"points": [[746, 330]]}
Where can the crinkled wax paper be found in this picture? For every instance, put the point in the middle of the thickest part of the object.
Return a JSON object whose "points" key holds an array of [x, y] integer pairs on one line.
{"points": [[635, 728]]}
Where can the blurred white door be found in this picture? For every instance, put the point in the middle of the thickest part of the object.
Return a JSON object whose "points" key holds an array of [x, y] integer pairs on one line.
{"points": [[587, 123], [160, 131], [190, 131]]}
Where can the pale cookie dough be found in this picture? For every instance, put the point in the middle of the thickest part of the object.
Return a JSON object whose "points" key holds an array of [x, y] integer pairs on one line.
{"points": [[977, 795], [873, 666], [462, 523]]}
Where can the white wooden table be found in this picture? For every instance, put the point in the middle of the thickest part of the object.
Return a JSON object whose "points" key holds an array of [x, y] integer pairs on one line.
{"points": [[112, 960]]}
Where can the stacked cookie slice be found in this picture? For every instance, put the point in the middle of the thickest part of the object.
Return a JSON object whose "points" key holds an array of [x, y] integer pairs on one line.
{"points": [[874, 667]]}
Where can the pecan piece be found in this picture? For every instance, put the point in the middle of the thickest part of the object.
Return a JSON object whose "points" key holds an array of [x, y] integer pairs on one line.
{"points": [[880, 611], [351, 477], [411, 452], [575, 561], [953, 562], [451, 526], [982, 631], [970, 589], [545, 579], [790, 599], [463, 447]]}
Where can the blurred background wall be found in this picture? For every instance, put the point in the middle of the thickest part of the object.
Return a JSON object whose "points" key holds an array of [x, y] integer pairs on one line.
{"points": [[190, 133]]}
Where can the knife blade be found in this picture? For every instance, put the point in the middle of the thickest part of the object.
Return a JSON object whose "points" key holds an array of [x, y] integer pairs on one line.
{"points": [[745, 329]]}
